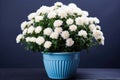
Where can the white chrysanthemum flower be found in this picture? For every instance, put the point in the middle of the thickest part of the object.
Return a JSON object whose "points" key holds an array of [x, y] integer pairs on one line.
{"points": [[84, 13], [24, 31], [52, 14], [58, 23], [97, 33], [27, 39], [82, 33], [31, 16], [40, 40], [61, 13], [30, 29], [94, 20], [85, 20], [54, 35], [24, 25], [79, 21], [58, 4], [38, 29], [68, 10], [91, 20], [73, 28], [33, 39], [38, 18], [19, 37], [82, 20], [47, 31], [65, 34], [92, 27], [72, 5], [47, 44], [30, 39], [69, 21], [98, 27], [100, 39], [43, 10], [58, 29], [38, 12], [30, 22], [69, 42], [102, 42], [78, 11]]}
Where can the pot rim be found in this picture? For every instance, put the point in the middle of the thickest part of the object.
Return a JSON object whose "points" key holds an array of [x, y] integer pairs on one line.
{"points": [[59, 52]]}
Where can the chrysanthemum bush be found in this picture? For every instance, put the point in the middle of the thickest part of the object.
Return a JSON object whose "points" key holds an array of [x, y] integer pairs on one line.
{"points": [[60, 28]]}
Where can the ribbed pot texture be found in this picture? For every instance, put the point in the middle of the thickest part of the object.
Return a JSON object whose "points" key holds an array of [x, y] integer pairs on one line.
{"points": [[61, 65]]}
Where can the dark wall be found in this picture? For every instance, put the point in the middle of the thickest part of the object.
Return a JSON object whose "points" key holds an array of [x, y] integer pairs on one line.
{"points": [[13, 12]]}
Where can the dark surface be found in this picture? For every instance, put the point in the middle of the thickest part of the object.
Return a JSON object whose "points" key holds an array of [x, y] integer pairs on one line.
{"points": [[40, 74], [14, 12]]}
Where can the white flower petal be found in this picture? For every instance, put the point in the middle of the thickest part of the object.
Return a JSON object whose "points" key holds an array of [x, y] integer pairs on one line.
{"points": [[38, 29], [92, 27], [19, 37], [58, 29], [69, 42], [38, 18], [98, 27], [97, 33], [47, 44], [24, 31], [31, 16], [24, 25], [47, 31], [69, 21], [58, 4], [30, 30], [54, 35], [52, 14], [65, 34], [73, 28], [58, 23], [40, 40], [82, 33]]}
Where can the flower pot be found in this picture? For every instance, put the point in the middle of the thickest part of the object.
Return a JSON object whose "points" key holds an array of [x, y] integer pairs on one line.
{"points": [[61, 65]]}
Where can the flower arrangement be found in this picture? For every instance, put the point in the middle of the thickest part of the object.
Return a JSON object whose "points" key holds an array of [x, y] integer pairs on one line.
{"points": [[60, 28]]}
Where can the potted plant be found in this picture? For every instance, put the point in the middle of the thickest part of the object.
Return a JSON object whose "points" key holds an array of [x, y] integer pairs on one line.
{"points": [[60, 32]]}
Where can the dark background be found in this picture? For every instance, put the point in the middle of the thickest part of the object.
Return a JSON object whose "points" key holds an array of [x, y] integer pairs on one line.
{"points": [[13, 12]]}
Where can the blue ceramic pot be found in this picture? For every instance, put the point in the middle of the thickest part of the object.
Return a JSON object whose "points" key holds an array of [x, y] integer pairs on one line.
{"points": [[61, 65]]}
